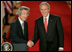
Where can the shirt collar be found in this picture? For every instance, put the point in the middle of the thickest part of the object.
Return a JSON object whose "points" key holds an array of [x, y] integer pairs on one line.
{"points": [[20, 20], [46, 17]]}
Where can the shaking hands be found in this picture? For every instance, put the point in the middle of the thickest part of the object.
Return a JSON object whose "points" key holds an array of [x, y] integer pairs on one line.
{"points": [[30, 43]]}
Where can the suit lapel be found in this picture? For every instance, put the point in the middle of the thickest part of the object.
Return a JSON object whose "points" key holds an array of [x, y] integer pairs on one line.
{"points": [[49, 22], [24, 27], [42, 24], [19, 26]]}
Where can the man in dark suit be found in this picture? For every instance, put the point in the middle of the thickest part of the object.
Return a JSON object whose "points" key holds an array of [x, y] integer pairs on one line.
{"points": [[19, 30], [48, 28]]}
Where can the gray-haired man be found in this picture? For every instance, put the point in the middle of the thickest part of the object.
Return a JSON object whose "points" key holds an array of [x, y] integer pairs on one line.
{"points": [[19, 30]]}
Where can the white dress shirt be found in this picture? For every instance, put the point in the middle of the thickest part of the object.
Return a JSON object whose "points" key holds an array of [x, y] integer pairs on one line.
{"points": [[20, 21]]}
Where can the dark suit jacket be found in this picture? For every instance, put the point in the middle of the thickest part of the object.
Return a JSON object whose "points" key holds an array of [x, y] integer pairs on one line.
{"points": [[16, 32], [54, 38]]}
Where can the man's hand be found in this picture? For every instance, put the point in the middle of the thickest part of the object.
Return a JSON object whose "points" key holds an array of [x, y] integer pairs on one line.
{"points": [[60, 50], [29, 43]]}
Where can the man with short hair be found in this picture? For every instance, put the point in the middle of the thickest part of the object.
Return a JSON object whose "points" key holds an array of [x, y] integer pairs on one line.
{"points": [[48, 28], [19, 30]]}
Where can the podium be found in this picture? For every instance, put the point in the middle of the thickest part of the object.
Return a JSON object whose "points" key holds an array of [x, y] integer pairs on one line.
{"points": [[20, 47]]}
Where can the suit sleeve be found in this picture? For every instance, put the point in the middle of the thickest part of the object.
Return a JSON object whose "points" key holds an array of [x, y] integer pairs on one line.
{"points": [[36, 34], [13, 33], [60, 32]]}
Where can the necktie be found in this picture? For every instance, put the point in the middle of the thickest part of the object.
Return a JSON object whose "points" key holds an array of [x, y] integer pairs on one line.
{"points": [[23, 27], [45, 24]]}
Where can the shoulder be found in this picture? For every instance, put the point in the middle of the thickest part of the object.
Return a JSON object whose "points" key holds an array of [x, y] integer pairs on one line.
{"points": [[25, 22], [14, 22], [55, 16], [38, 19]]}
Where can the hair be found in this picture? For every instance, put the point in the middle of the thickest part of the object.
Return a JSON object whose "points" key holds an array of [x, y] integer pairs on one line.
{"points": [[45, 3], [22, 8]]}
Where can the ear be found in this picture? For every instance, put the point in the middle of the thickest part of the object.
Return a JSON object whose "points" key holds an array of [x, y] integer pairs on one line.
{"points": [[29, 13], [49, 9]]}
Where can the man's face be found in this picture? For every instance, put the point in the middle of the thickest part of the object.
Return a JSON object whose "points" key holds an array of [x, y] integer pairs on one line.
{"points": [[24, 15], [44, 10]]}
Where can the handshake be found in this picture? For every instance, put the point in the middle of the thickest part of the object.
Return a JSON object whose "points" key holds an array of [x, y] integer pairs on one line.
{"points": [[30, 43]]}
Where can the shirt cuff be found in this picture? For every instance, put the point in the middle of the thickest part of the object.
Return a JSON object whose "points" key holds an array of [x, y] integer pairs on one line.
{"points": [[61, 48], [33, 43]]}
